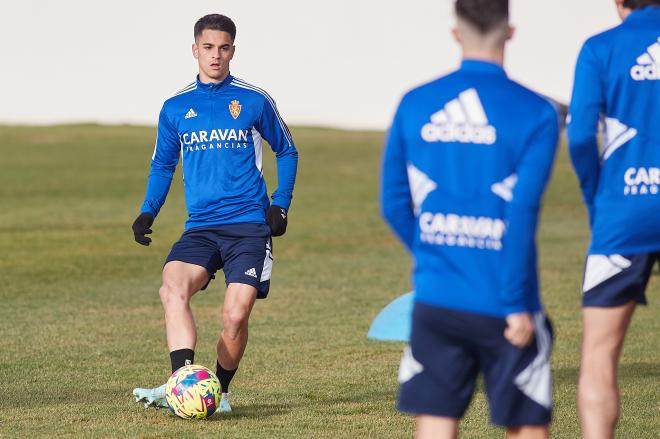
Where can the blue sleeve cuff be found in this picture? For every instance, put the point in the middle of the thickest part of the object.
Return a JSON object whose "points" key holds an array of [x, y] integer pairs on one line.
{"points": [[282, 202], [515, 309]]}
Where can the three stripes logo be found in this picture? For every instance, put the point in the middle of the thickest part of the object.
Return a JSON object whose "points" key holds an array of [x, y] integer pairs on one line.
{"points": [[251, 272], [190, 113], [648, 64], [461, 120]]}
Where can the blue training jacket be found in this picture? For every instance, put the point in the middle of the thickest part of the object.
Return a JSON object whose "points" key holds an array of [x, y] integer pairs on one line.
{"points": [[465, 165], [218, 131], [617, 83]]}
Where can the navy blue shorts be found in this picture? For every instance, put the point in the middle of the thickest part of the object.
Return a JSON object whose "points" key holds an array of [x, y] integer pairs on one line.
{"points": [[243, 251], [448, 349], [614, 280]]}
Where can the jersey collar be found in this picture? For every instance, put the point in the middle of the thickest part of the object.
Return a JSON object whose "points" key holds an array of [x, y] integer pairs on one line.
{"points": [[211, 87], [479, 66], [645, 13]]}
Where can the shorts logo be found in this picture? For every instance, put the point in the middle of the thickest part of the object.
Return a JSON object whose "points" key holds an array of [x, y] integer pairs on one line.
{"points": [[462, 120], [409, 366], [235, 109], [251, 272], [602, 267], [648, 64], [535, 380]]}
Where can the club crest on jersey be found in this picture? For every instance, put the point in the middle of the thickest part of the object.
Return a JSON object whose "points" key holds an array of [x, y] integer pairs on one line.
{"points": [[235, 109]]}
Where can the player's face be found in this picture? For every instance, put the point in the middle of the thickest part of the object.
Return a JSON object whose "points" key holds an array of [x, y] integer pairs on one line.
{"points": [[213, 50]]}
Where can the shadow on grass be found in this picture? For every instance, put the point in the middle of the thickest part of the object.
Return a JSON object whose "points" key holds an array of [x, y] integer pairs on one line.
{"points": [[569, 375], [254, 411]]}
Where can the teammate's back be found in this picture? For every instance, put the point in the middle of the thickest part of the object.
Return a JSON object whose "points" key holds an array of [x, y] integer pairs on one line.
{"points": [[617, 83], [465, 140]]}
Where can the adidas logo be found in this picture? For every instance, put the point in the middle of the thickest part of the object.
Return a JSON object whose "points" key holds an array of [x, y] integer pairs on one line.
{"points": [[461, 120], [191, 113], [251, 272], [648, 64], [615, 134]]}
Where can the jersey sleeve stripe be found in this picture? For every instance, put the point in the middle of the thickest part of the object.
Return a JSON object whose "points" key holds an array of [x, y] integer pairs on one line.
{"points": [[242, 84]]}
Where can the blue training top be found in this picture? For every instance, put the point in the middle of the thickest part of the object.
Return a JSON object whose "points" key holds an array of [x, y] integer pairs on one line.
{"points": [[218, 130], [617, 82], [465, 165]]}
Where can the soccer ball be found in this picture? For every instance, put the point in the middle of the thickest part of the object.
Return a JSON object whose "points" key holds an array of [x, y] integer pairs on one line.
{"points": [[193, 391]]}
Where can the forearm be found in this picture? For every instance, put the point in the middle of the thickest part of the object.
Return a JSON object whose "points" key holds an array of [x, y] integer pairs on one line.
{"points": [[287, 166], [402, 222], [519, 269], [583, 151], [158, 186]]}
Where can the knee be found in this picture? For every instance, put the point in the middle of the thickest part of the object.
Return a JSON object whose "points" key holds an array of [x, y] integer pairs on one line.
{"points": [[234, 319], [596, 390], [172, 295]]}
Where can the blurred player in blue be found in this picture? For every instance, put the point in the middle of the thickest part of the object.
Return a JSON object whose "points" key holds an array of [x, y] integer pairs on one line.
{"points": [[217, 126], [617, 83], [465, 166]]}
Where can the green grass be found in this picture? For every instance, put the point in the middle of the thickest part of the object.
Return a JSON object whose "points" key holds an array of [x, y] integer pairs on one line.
{"points": [[81, 323]]}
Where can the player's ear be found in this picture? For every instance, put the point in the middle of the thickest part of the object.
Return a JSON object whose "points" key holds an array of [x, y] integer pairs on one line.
{"points": [[195, 51], [456, 33], [510, 32]]}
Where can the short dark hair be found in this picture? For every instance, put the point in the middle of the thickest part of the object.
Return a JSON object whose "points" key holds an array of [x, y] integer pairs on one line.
{"points": [[484, 15], [636, 4], [215, 22]]}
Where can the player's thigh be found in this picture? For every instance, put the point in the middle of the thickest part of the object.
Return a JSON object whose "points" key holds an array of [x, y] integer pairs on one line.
{"points": [[249, 261], [518, 381], [604, 329], [438, 369], [615, 280], [192, 261], [183, 277]]}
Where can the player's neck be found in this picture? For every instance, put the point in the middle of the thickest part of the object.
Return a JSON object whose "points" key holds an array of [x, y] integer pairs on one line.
{"points": [[204, 79], [491, 55]]}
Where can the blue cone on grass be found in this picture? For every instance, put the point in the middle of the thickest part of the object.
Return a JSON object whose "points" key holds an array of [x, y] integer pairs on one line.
{"points": [[393, 322]]}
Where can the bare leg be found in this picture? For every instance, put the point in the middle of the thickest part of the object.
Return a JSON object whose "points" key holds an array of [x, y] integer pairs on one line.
{"points": [[598, 393], [239, 300], [180, 281], [436, 427], [528, 432]]}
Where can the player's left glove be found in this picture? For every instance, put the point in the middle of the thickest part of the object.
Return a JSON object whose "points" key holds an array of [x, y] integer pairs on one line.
{"points": [[141, 228], [277, 219]]}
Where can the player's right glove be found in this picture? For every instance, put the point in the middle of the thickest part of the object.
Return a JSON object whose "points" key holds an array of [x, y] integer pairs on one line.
{"points": [[277, 219], [141, 228]]}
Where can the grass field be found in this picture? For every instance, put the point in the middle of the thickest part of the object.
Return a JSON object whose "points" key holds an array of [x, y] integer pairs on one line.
{"points": [[81, 323]]}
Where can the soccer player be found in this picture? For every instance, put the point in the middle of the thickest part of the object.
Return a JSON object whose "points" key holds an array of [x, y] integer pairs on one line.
{"points": [[617, 82], [466, 162], [217, 126]]}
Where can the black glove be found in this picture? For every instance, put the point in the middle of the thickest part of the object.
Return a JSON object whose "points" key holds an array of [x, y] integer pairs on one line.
{"points": [[141, 228], [277, 219]]}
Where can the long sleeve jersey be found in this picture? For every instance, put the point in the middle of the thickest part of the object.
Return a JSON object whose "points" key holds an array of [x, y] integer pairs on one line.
{"points": [[617, 84], [218, 131], [466, 162]]}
